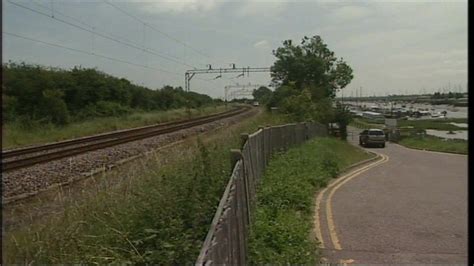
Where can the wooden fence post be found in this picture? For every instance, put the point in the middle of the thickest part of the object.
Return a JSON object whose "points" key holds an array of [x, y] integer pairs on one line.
{"points": [[306, 131], [262, 139], [243, 138], [235, 156]]}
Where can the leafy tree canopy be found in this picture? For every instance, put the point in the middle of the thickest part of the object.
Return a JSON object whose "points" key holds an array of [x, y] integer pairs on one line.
{"points": [[262, 94], [33, 92], [310, 65], [307, 78]]}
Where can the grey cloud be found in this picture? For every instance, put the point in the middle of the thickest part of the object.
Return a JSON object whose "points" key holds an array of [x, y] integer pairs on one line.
{"points": [[391, 45]]}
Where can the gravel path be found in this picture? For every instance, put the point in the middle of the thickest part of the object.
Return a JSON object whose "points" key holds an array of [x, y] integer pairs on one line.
{"points": [[29, 181]]}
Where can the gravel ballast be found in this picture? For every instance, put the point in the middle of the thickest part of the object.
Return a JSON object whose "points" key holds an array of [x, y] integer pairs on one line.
{"points": [[29, 181]]}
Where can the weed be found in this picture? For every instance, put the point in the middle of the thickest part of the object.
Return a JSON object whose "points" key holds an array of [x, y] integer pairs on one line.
{"points": [[158, 214], [432, 143], [283, 217], [27, 131], [329, 164]]}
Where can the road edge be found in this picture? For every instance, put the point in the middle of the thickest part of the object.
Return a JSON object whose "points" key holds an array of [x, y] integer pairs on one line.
{"points": [[314, 232], [358, 164], [431, 151]]}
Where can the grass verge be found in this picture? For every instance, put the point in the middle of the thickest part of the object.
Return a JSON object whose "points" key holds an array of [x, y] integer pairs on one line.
{"points": [[438, 124], [159, 213], [432, 143], [283, 221], [17, 135], [360, 123]]}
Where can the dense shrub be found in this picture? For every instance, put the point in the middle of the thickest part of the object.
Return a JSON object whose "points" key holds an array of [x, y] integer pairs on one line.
{"points": [[59, 96]]}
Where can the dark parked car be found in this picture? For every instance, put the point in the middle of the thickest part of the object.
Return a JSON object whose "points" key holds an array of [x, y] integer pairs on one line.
{"points": [[372, 137]]}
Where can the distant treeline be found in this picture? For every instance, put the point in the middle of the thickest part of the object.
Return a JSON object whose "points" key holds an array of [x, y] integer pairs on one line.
{"points": [[37, 93], [449, 95]]}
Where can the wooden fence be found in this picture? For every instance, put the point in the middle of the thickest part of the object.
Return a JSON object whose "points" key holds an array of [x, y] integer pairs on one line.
{"points": [[226, 241]]}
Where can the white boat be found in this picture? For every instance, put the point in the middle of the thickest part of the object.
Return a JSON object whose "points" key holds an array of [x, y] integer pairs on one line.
{"points": [[438, 115], [424, 113]]}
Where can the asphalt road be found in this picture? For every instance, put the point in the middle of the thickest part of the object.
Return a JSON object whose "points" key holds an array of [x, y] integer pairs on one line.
{"points": [[409, 209]]}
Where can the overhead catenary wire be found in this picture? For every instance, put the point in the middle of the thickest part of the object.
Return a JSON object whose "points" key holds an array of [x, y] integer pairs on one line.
{"points": [[155, 29], [95, 28], [101, 35], [173, 38], [94, 54], [88, 53]]}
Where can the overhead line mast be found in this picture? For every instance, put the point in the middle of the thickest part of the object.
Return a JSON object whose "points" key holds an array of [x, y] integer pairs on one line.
{"points": [[244, 70]]}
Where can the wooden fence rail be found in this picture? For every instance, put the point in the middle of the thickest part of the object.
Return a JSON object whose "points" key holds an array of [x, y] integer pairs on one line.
{"points": [[227, 239]]}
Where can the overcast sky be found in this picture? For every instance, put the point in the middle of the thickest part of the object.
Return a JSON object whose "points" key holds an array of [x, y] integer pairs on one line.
{"points": [[392, 46]]}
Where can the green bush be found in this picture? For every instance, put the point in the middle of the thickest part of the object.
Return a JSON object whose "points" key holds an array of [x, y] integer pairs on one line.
{"points": [[329, 164], [155, 212], [54, 108], [27, 123], [58, 95], [283, 220], [432, 143], [105, 108]]}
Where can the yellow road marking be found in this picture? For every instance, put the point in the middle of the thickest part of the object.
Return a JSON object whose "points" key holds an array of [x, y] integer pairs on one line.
{"points": [[329, 216], [317, 224]]}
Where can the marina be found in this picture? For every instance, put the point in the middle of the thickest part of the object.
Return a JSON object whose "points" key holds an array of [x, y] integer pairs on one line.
{"points": [[378, 111]]}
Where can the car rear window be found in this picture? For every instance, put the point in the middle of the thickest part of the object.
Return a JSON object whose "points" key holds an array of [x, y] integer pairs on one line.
{"points": [[375, 132]]}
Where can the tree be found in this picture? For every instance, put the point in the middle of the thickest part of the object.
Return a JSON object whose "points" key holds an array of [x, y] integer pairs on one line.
{"points": [[342, 118], [308, 76], [38, 93], [53, 107], [298, 106], [310, 64], [281, 93], [262, 94]]}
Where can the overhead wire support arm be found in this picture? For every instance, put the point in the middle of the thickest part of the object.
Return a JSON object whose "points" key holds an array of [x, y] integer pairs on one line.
{"points": [[190, 73]]}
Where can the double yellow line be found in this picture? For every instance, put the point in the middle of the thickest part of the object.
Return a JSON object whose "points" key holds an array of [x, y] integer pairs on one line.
{"points": [[333, 187]]}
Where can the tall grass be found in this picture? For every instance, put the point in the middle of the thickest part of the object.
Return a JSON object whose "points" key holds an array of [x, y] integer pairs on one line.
{"points": [[283, 222], [364, 124], [158, 214], [433, 143], [438, 124], [17, 135]]}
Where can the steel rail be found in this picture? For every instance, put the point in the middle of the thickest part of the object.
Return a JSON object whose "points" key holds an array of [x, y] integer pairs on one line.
{"points": [[112, 139], [77, 141]]}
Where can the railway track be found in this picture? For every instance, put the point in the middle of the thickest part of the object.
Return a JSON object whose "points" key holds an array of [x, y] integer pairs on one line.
{"points": [[24, 157]]}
